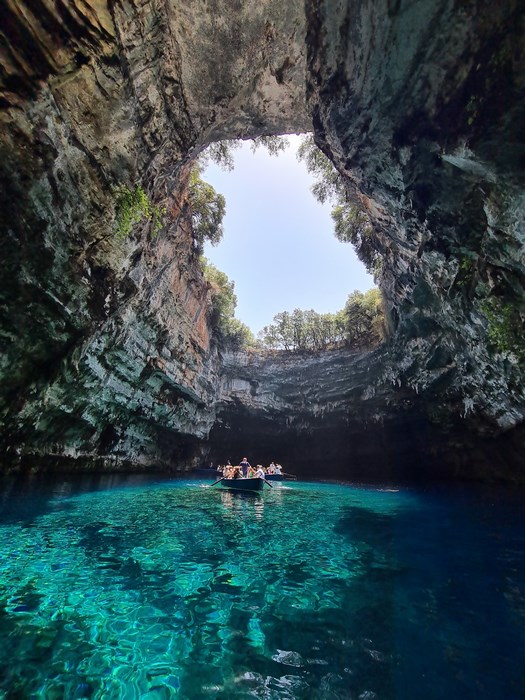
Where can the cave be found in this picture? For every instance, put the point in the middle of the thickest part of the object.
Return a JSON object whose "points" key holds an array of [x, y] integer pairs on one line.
{"points": [[108, 356]]}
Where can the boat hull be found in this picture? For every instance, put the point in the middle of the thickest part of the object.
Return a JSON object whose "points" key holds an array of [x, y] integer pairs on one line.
{"points": [[274, 477], [253, 484]]}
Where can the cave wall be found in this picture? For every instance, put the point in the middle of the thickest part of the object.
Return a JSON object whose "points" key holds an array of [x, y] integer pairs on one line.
{"points": [[106, 350], [338, 415], [422, 105]]}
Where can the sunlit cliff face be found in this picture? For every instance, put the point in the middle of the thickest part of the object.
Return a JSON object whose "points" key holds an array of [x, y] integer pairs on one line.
{"points": [[106, 346]]}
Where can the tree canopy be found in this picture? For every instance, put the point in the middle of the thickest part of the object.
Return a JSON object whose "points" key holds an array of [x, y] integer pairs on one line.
{"points": [[208, 208], [351, 224], [231, 332], [360, 323], [222, 152]]}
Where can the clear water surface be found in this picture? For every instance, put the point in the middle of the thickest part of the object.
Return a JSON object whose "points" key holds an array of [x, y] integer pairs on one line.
{"points": [[173, 589]]}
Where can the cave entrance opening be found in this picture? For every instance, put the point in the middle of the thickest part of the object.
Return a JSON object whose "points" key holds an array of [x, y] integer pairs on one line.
{"points": [[278, 246]]}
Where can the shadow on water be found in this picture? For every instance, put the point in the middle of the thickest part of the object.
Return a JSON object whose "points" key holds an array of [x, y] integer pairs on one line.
{"points": [[441, 595], [26, 497]]}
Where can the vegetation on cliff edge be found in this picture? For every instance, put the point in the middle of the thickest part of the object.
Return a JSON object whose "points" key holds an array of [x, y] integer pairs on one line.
{"points": [[351, 223], [360, 324], [230, 332]]}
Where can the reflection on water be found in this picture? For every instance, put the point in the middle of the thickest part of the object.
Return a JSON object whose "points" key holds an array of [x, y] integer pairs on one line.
{"points": [[179, 589], [243, 504]]}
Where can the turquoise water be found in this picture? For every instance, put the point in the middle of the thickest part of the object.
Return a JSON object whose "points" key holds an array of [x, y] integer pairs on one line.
{"points": [[178, 590]]}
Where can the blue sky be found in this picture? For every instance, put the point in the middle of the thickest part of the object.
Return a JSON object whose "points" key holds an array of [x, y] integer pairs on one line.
{"points": [[278, 245]]}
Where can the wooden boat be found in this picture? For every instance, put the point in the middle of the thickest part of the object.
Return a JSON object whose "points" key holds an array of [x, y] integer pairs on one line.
{"points": [[251, 484], [274, 477]]}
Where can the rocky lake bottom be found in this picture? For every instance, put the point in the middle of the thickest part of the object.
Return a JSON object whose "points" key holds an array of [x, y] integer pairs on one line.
{"points": [[135, 587]]}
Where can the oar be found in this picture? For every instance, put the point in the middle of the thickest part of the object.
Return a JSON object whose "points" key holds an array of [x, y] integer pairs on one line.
{"points": [[291, 475], [269, 483], [216, 482]]}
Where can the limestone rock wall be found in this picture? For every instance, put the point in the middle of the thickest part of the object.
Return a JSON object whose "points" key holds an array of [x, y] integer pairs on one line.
{"points": [[420, 104], [106, 350], [337, 415]]}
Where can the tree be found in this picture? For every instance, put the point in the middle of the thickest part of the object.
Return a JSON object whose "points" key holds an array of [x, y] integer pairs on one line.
{"points": [[222, 152], [351, 224], [229, 330], [330, 184], [364, 319], [208, 208], [238, 336], [360, 324], [273, 144]]}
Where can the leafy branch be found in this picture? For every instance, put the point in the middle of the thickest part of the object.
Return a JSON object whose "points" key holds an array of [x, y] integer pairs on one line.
{"points": [[351, 223]]}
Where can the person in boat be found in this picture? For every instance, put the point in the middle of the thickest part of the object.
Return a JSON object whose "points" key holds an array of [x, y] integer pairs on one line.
{"points": [[260, 472], [278, 469], [244, 466], [251, 472], [271, 468]]}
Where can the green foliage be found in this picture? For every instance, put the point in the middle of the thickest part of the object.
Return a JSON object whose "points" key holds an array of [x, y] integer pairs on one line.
{"points": [[329, 185], [466, 270], [229, 330], [134, 206], [237, 335], [222, 152], [360, 324], [207, 210], [364, 316], [351, 224], [506, 329], [273, 144]]}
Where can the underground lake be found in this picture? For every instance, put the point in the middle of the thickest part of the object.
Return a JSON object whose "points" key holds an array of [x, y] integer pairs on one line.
{"points": [[147, 587]]}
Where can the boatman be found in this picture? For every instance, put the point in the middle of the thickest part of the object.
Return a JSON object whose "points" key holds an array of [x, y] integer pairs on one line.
{"points": [[244, 467]]}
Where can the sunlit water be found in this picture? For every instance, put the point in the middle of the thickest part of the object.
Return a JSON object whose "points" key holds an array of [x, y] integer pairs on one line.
{"points": [[178, 589]]}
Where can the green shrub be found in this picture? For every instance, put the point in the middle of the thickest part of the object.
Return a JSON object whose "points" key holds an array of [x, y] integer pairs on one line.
{"points": [[134, 206], [506, 331]]}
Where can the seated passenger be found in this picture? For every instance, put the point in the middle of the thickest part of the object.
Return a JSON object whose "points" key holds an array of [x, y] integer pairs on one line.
{"points": [[260, 472], [278, 469], [271, 468]]}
